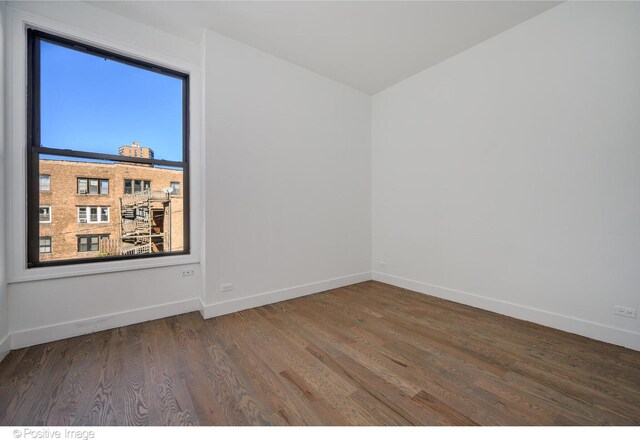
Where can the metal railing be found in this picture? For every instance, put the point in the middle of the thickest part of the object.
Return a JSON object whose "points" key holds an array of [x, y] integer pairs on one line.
{"points": [[109, 246], [142, 249], [136, 225], [145, 196]]}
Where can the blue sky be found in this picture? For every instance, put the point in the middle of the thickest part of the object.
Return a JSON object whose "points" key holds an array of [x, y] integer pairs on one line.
{"points": [[92, 104]]}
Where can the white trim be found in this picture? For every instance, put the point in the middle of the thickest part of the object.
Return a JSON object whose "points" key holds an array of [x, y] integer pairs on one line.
{"points": [[50, 214], [41, 335], [87, 210], [571, 324], [15, 167], [49, 273], [5, 347], [261, 299]]}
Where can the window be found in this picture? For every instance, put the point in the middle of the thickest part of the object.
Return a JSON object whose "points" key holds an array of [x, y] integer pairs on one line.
{"points": [[45, 214], [90, 243], [93, 186], [45, 182], [81, 103], [133, 186], [175, 186], [45, 245], [104, 214], [93, 214]]}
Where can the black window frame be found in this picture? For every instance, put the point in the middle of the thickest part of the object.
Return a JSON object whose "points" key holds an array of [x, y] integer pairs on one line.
{"points": [[35, 148]]}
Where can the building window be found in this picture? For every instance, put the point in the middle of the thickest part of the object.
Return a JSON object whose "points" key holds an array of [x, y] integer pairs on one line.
{"points": [[93, 214], [90, 243], [74, 138], [45, 182], [45, 214], [45, 245], [134, 186], [93, 186], [175, 186]]}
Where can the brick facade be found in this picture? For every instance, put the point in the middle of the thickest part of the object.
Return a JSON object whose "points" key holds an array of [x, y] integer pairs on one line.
{"points": [[64, 199]]}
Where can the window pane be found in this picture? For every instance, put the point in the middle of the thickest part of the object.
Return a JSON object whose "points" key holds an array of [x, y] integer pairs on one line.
{"points": [[45, 183], [175, 186], [93, 186], [83, 186], [45, 245], [93, 104], [108, 101], [45, 214]]}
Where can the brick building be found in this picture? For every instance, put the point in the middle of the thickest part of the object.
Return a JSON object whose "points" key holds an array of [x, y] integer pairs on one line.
{"points": [[90, 209], [135, 150]]}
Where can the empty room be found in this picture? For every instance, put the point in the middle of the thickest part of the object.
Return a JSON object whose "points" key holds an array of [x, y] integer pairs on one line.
{"points": [[309, 213]]}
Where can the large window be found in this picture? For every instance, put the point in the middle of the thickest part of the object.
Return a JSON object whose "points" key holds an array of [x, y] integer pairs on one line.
{"points": [[96, 117]]}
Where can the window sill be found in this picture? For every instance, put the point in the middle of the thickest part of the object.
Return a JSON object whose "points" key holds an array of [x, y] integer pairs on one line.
{"points": [[74, 270]]}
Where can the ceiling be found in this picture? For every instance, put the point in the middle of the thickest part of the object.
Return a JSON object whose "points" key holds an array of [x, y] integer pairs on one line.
{"points": [[368, 45]]}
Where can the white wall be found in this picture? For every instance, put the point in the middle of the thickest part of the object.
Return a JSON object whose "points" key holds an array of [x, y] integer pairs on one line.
{"points": [[507, 176], [4, 302], [287, 181], [57, 308]]}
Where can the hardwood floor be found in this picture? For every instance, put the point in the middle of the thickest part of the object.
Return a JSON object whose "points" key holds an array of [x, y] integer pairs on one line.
{"points": [[367, 354]]}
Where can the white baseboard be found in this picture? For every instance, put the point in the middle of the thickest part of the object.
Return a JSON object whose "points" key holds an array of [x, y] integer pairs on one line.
{"points": [[5, 347], [558, 321], [40, 335], [249, 302]]}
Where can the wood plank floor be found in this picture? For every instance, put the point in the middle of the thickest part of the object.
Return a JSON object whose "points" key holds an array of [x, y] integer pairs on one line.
{"points": [[367, 354]]}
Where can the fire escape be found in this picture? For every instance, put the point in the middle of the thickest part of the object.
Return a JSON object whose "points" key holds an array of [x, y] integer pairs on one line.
{"points": [[145, 225]]}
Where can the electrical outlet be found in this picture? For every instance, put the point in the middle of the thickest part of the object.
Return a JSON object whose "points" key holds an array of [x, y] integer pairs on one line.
{"points": [[188, 272], [382, 265], [627, 312], [226, 287]]}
